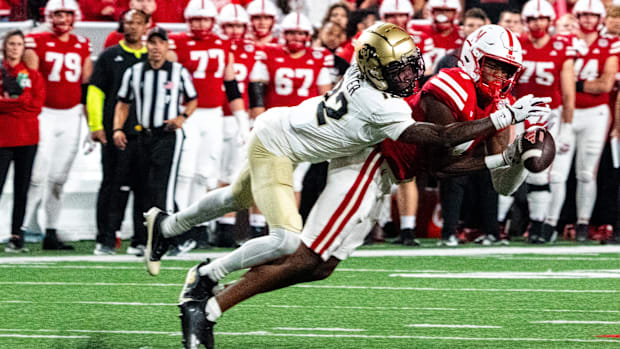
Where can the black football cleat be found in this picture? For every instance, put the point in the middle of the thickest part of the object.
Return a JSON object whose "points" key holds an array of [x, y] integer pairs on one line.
{"points": [[156, 244], [197, 287], [51, 242], [196, 328]]}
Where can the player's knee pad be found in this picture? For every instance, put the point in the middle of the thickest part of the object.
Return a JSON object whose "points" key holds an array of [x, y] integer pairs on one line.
{"points": [[287, 242], [537, 179], [585, 176], [556, 177], [56, 188]]}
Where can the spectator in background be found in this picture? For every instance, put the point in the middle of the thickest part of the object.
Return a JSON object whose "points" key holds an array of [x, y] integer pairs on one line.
{"points": [[337, 13], [567, 25], [22, 94], [474, 19], [170, 11], [5, 10], [147, 6], [103, 10], [331, 36], [357, 22], [119, 167], [511, 19]]}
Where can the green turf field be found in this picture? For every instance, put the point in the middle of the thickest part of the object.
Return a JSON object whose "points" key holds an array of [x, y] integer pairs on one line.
{"points": [[514, 300]]}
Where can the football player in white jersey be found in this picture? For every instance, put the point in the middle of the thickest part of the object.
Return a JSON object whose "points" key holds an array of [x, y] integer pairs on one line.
{"points": [[359, 112], [320, 253]]}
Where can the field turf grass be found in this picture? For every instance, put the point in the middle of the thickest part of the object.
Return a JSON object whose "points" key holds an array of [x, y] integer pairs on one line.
{"points": [[479, 301]]}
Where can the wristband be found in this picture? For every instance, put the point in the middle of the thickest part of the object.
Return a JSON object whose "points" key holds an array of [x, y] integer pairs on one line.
{"points": [[502, 118], [117, 129], [184, 114], [494, 161], [580, 85]]}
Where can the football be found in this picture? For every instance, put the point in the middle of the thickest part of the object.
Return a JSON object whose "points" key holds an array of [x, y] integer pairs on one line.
{"points": [[538, 150]]}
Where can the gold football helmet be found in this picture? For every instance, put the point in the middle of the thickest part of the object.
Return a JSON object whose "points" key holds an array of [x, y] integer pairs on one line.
{"points": [[389, 60]]}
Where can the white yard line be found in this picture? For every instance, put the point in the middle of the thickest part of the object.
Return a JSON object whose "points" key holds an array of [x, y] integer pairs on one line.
{"points": [[508, 258], [501, 339], [310, 335], [429, 252], [15, 335], [293, 306], [389, 288], [513, 275], [348, 287], [576, 322], [326, 329], [451, 326]]}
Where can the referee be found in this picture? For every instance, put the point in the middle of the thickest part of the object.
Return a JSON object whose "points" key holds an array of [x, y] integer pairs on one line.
{"points": [[157, 88], [118, 167]]}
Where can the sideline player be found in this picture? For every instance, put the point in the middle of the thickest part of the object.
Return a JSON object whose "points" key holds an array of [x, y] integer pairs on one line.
{"points": [[347, 208], [263, 15], [63, 59], [235, 22], [586, 132], [208, 58], [548, 70]]}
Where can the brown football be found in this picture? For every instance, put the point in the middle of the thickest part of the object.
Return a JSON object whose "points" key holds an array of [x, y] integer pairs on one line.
{"points": [[538, 150]]}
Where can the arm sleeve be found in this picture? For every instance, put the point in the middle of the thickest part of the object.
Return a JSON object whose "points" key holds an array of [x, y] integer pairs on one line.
{"points": [[94, 105], [189, 91], [125, 94]]}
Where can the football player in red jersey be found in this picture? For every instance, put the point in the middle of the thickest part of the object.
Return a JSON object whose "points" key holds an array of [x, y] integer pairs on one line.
{"points": [[63, 59], [234, 21], [263, 14], [292, 73], [346, 209], [548, 70], [586, 132], [445, 33], [208, 57], [399, 12]]}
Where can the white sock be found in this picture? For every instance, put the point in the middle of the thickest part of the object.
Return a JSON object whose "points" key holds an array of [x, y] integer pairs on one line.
{"points": [[503, 206], [213, 310], [256, 251], [227, 220], [558, 194], [257, 220], [407, 222], [538, 202], [215, 204], [585, 200]]}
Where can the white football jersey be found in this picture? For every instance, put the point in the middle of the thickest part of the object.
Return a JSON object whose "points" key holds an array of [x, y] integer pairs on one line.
{"points": [[351, 117]]}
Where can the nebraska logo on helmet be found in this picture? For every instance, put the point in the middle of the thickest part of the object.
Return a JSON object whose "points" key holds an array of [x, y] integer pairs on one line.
{"points": [[492, 42], [62, 24], [197, 9], [296, 22]]}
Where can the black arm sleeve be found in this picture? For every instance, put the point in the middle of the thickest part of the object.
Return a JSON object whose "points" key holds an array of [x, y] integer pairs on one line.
{"points": [[84, 93], [232, 90], [256, 92]]}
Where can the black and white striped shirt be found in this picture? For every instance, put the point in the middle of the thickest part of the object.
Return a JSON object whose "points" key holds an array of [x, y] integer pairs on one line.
{"points": [[157, 93]]}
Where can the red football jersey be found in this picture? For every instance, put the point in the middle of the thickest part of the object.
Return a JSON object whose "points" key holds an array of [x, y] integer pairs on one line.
{"points": [[293, 80], [206, 60], [590, 66], [455, 89], [423, 41], [542, 67], [442, 43], [245, 56], [60, 65]]}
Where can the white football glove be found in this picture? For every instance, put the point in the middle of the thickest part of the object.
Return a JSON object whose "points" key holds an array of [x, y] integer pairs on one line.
{"points": [[523, 108], [88, 145], [565, 137], [243, 124]]}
